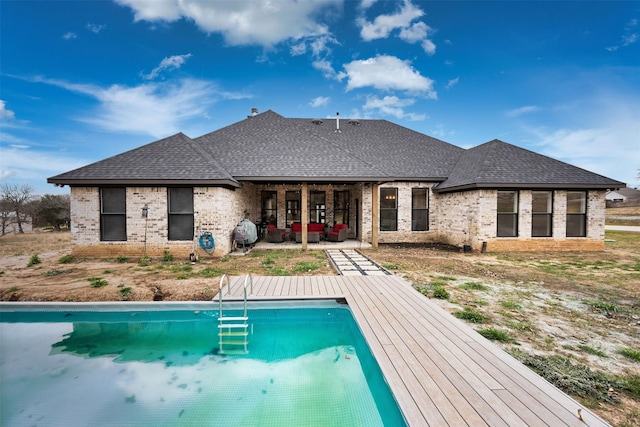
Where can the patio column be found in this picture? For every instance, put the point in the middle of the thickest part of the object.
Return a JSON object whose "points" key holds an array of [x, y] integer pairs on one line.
{"points": [[304, 213], [375, 215]]}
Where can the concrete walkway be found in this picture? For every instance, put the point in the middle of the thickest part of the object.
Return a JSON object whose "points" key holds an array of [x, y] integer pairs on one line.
{"points": [[350, 262]]}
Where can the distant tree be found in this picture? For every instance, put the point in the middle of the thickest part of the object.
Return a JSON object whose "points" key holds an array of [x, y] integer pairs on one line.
{"points": [[5, 216], [17, 197], [54, 210]]}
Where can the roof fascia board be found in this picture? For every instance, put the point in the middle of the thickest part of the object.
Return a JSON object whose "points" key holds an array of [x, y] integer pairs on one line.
{"points": [[529, 186], [144, 182]]}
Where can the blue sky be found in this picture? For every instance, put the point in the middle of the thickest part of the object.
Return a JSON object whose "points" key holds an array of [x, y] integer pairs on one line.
{"points": [[84, 80]]}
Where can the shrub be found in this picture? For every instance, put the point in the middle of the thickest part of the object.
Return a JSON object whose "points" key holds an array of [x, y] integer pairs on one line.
{"points": [[167, 256], [572, 378], [470, 315], [392, 266], [35, 259], [440, 292], [66, 259], [473, 286], [603, 306], [144, 261], [97, 282], [125, 293], [303, 266], [495, 335], [510, 305], [122, 259]]}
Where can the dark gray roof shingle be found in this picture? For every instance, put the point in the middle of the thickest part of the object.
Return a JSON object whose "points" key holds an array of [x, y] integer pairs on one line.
{"points": [[499, 164], [269, 147], [176, 159]]}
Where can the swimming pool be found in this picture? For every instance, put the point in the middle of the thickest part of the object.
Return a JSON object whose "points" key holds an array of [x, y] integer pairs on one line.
{"points": [[141, 365]]}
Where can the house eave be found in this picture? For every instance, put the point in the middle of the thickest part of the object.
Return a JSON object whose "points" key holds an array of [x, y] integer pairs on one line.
{"points": [[227, 183], [528, 186]]}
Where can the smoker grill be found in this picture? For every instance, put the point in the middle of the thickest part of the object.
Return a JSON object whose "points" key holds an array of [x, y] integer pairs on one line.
{"points": [[245, 234]]}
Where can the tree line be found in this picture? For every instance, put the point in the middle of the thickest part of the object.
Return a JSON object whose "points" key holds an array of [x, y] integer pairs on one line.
{"points": [[19, 207]]}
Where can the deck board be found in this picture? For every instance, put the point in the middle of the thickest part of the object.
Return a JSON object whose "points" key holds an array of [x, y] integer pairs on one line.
{"points": [[440, 370]]}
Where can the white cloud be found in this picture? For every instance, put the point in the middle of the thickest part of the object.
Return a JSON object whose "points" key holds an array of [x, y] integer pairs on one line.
{"points": [[415, 32], [522, 110], [326, 68], [298, 49], [451, 83], [4, 113], [264, 23], [429, 47], [156, 109], [392, 106], [409, 31], [320, 101], [168, 63], [383, 25], [69, 36], [387, 73], [366, 4], [95, 28]]}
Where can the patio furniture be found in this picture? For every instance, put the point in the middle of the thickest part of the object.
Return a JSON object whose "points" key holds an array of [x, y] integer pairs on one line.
{"points": [[314, 227], [339, 233], [275, 235], [312, 237]]}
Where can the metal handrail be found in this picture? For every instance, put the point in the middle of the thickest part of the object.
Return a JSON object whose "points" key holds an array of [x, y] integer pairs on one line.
{"points": [[222, 279], [248, 279]]}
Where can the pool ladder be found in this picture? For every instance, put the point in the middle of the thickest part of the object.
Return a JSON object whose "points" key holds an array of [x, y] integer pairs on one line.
{"points": [[233, 331]]}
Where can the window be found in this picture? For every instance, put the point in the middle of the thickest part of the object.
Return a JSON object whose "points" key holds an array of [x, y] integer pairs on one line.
{"points": [[113, 214], [388, 209], [576, 213], [341, 207], [419, 209], [293, 207], [269, 213], [180, 213], [317, 207], [507, 213], [542, 214]]}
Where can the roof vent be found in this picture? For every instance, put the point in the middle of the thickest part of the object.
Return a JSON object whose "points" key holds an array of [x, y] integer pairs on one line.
{"points": [[338, 122], [316, 121], [354, 122], [254, 111]]}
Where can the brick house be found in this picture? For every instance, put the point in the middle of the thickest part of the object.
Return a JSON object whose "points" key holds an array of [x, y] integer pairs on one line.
{"points": [[389, 184]]}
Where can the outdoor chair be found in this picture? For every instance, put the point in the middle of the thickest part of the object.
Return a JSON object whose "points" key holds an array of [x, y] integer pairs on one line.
{"points": [[338, 234], [275, 235]]}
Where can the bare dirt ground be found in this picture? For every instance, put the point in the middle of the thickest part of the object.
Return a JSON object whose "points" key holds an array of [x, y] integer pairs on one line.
{"points": [[583, 306]]}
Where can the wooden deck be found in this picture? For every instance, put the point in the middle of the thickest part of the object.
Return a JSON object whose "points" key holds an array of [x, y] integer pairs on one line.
{"points": [[440, 370]]}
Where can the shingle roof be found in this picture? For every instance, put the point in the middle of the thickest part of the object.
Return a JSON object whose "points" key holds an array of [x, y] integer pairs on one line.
{"points": [[176, 159], [270, 147], [499, 164]]}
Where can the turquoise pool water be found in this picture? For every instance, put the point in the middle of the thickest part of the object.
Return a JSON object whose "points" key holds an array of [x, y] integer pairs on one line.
{"points": [[306, 366]]}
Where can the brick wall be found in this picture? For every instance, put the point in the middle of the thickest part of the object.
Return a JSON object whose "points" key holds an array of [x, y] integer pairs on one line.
{"points": [[463, 218]]}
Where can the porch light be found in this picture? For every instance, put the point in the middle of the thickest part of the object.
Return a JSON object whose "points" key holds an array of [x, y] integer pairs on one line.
{"points": [[145, 211]]}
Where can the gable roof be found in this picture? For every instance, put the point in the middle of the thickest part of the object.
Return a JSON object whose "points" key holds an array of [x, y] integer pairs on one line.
{"points": [[176, 159], [497, 164], [271, 148]]}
